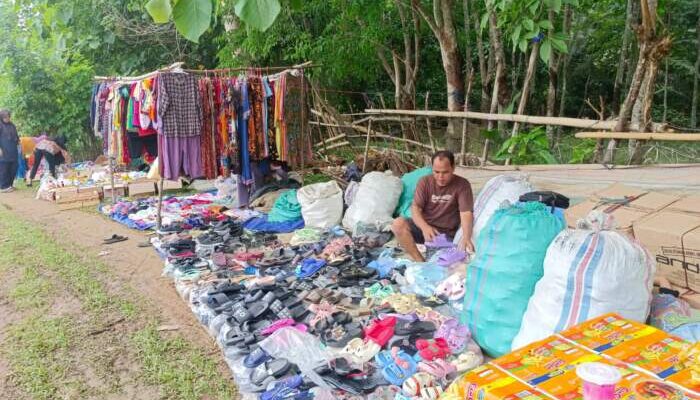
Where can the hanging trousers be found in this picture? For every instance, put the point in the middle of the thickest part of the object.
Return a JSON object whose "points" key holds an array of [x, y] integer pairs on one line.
{"points": [[8, 170]]}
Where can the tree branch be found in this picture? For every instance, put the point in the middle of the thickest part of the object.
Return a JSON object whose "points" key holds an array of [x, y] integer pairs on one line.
{"points": [[418, 8]]}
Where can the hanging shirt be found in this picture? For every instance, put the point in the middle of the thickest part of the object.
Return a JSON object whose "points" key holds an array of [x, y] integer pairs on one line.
{"points": [[179, 105], [243, 115]]}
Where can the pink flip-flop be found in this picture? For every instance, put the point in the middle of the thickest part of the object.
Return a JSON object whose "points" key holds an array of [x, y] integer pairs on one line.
{"points": [[283, 323]]}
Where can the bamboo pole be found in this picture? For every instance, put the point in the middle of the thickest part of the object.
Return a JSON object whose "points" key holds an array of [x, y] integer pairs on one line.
{"points": [[524, 119], [464, 121], [675, 137], [112, 163], [363, 129], [369, 133], [427, 123], [159, 219]]}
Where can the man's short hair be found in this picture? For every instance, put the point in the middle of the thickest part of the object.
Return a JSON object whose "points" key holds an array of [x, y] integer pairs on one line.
{"points": [[444, 154]]}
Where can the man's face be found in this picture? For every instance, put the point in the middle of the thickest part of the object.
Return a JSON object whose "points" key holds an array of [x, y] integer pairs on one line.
{"points": [[442, 171], [6, 119]]}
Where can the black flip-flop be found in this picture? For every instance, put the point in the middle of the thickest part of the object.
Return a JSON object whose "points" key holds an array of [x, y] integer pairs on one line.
{"points": [[274, 368], [114, 239]]}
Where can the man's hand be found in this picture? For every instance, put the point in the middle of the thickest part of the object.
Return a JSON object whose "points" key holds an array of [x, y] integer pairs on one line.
{"points": [[429, 233], [466, 244]]}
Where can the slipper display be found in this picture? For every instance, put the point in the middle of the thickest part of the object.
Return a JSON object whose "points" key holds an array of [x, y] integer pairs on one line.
{"points": [[330, 303]]}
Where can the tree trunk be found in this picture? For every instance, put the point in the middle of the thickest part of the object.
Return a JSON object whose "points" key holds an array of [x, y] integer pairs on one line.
{"points": [[696, 80], [553, 70], [485, 74], [524, 96], [501, 94], [443, 28], [640, 97], [623, 62]]}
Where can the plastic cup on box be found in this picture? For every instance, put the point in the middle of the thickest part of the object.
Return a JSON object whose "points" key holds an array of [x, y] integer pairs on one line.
{"points": [[599, 380]]}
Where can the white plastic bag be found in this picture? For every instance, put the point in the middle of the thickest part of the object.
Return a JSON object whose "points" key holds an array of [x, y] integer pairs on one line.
{"points": [[375, 200], [321, 204], [588, 272], [497, 190]]}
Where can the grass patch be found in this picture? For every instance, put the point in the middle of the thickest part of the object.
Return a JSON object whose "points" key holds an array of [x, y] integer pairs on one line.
{"points": [[43, 352], [184, 372], [32, 291], [36, 350], [28, 245]]}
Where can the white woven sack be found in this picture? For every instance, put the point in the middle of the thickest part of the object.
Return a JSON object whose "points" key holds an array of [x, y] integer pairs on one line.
{"points": [[588, 272], [321, 204], [375, 201]]}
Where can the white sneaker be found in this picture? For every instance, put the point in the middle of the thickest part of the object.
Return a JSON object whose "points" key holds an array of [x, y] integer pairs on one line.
{"points": [[7, 190]]}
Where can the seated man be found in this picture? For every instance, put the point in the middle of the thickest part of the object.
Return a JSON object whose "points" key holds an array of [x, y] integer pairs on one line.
{"points": [[442, 202]]}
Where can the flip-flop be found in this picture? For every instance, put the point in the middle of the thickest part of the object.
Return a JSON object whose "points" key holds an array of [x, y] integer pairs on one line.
{"points": [[432, 349], [417, 384], [309, 267], [380, 331], [413, 327], [361, 351], [440, 241], [114, 239], [344, 384], [256, 358], [450, 255], [438, 368], [274, 369], [282, 388], [397, 366]]}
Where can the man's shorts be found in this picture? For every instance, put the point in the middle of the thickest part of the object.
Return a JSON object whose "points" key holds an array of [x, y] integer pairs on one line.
{"points": [[417, 233]]}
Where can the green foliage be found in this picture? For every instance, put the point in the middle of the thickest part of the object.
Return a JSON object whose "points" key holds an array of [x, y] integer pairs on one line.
{"points": [[192, 18], [530, 147], [582, 151]]}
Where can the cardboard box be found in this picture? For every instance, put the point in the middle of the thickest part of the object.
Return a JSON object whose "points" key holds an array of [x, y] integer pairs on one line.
{"points": [[689, 204], [78, 204], [548, 367], [487, 382], [169, 185], [625, 203], [673, 239], [142, 188], [119, 190]]}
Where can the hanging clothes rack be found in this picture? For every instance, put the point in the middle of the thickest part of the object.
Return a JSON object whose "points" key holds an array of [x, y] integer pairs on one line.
{"points": [[297, 70]]}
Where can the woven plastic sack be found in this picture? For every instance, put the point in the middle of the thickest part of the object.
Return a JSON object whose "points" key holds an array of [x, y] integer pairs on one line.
{"points": [[410, 182], [496, 191], [500, 280], [375, 200], [286, 208], [588, 272], [321, 204]]}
